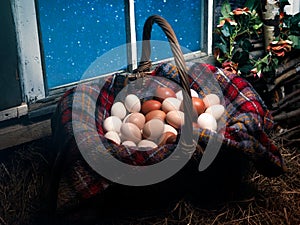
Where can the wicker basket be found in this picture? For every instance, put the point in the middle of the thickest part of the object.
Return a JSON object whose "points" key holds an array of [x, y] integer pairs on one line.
{"points": [[247, 123]]}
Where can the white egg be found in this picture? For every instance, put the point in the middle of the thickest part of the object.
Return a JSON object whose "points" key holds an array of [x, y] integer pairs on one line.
{"points": [[180, 96], [170, 104], [216, 110], [207, 121], [129, 143], [112, 123], [126, 118], [194, 93], [113, 136], [118, 109], [146, 143], [132, 103], [211, 99], [169, 128]]}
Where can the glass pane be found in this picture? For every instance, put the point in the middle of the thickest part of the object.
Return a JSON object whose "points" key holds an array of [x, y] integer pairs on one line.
{"points": [[75, 33], [183, 15]]}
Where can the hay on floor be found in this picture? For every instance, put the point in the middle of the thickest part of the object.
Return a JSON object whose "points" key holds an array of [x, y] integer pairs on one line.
{"points": [[24, 170]]}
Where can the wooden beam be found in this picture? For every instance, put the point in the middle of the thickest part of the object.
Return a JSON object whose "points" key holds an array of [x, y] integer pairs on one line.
{"points": [[15, 112], [19, 134], [130, 35]]}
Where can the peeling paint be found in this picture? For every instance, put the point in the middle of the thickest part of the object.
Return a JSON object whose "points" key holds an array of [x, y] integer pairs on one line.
{"points": [[37, 59], [31, 73]]}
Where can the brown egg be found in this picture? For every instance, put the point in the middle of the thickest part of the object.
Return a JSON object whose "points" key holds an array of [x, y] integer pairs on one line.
{"points": [[169, 128], [172, 139], [175, 118], [150, 105], [153, 129], [130, 132], [136, 118], [156, 114], [198, 105], [167, 138], [162, 93]]}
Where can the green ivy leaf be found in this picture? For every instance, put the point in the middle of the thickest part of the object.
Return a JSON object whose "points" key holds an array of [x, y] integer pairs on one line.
{"points": [[236, 56], [226, 30], [275, 61], [221, 60], [257, 26], [265, 60], [266, 68], [246, 45], [259, 67], [296, 41], [241, 57], [245, 69], [225, 42], [226, 9], [253, 4], [222, 47], [244, 58], [294, 23]]}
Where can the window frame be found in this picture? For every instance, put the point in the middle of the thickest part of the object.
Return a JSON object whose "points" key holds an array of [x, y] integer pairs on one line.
{"points": [[29, 51], [35, 93]]}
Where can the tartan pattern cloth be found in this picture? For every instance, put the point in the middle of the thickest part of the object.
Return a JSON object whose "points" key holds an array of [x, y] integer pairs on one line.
{"points": [[247, 118], [247, 122]]}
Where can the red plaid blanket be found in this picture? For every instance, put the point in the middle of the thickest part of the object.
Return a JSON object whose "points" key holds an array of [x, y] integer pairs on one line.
{"points": [[247, 124]]}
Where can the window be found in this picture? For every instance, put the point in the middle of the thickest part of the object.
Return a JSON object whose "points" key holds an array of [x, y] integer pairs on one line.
{"points": [[188, 29], [75, 33], [58, 40]]}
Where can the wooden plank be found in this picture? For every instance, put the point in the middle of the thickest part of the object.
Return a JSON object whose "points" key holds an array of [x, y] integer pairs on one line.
{"points": [[8, 114], [19, 134], [131, 35], [14, 112], [210, 28]]}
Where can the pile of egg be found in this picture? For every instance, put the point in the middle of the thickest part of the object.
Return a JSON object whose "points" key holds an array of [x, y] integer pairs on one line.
{"points": [[155, 122]]}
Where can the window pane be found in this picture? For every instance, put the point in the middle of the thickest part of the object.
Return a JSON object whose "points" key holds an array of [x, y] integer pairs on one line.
{"points": [[75, 33], [183, 15]]}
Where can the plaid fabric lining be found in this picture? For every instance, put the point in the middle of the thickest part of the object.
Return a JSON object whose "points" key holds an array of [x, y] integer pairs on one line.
{"points": [[247, 120]]}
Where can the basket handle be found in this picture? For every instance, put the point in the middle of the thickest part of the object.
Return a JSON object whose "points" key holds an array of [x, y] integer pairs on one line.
{"points": [[145, 62], [145, 65]]}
